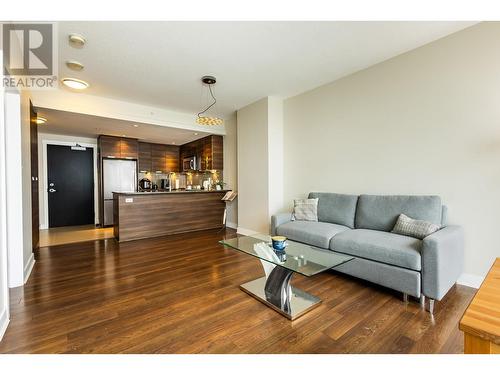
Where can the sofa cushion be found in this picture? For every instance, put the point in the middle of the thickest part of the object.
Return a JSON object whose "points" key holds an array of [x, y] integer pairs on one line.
{"points": [[313, 233], [380, 212], [389, 248], [336, 208]]}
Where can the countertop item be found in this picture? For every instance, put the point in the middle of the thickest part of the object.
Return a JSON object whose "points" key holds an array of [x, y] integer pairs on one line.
{"points": [[481, 320]]}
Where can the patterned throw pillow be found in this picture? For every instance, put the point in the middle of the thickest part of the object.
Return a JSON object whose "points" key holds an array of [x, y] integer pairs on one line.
{"points": [[305, 209], [414, 228]]}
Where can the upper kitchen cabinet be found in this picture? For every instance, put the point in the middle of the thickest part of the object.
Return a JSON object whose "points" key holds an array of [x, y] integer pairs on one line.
{"points": [[118, 148], [110, 147], [209, 150], [129, 148], [158, 163], [145, 164], [172, 158]]}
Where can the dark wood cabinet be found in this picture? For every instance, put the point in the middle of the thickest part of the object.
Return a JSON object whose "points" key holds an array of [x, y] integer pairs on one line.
{"points": [[144, 163], [209, 150], [110, 147], [129, 148], [118, 148], [158, 158], [171, 158]]}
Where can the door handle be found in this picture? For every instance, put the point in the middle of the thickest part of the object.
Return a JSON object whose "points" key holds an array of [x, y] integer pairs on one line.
{"points": [[52, 190]]}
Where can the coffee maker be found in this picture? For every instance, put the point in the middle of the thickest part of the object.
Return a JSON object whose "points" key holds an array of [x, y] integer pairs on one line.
{"points": [[165, 184]]}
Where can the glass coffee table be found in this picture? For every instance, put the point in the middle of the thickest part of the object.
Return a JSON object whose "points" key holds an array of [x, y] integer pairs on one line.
{"points": [[274, 289]]}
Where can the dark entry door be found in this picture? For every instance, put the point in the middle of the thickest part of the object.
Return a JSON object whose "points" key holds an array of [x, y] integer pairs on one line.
{"points": [[70, 186]]}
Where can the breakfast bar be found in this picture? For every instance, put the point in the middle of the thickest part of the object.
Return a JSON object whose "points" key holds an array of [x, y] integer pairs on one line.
{"points": [[139, 215]]}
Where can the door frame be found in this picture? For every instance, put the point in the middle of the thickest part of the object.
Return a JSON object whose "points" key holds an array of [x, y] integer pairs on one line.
{"points": [[43, 184]]}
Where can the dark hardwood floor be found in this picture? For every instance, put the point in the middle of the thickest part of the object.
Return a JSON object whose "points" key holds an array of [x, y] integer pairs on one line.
{"points": [[179, 294]]}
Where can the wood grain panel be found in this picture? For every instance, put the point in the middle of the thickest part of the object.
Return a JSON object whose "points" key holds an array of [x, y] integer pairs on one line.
{"points": [[109, 147], [482, 317], [217, 152], [152, 215], [180, 294], [171, 158], [158, 158], [144, 163], [129, 148]]}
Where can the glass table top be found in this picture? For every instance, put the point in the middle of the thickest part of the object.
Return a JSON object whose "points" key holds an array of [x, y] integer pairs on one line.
{"points": [[298, 257]]}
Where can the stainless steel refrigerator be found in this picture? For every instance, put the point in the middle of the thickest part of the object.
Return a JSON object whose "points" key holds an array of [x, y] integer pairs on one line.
{"points": [[117, 176]]}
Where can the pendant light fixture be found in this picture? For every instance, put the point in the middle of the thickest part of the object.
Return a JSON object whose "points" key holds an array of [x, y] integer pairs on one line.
{"points": [[203, 117]]}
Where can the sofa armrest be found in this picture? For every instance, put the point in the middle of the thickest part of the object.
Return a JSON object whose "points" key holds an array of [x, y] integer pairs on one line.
{"points": [[278, 219], [442, 260]]}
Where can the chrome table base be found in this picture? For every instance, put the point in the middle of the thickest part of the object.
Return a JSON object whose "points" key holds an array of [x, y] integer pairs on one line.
{"points": [[276, 292]]}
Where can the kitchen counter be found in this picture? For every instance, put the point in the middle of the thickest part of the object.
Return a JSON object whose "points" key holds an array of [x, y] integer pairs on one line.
{"points": [[170, 192], [139, 215]]}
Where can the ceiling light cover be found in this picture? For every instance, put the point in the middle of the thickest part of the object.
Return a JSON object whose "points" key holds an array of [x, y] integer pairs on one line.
{"points": [[41, 120], [77, 40], [74, 83], [203, 118], [74, 65]]}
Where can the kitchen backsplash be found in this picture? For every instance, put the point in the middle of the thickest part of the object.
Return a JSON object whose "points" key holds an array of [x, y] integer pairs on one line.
{"points": [[185, 178]]}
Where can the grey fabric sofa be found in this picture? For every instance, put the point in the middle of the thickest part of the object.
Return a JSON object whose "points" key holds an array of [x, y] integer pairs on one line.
{"points": [[361, 227]]}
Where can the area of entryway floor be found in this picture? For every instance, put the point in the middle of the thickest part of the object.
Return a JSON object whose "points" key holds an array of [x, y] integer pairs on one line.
{"points": [[81, 233]]}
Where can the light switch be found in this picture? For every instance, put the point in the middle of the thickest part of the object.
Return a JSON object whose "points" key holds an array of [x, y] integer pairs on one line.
{"points": [[129, 200]]}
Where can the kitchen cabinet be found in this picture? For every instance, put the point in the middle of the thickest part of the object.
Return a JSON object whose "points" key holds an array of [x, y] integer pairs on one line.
{"points": [[118, 148], [145, 164], [129, 148], [109, 147], [171, 158], [158, 158], [208, 150]]}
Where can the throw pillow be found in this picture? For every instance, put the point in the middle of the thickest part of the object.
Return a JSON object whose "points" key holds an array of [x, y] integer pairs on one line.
{"points": [[414, 228], [305, 209]]}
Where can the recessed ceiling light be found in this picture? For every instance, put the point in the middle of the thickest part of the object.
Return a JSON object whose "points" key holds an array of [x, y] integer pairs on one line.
{"points": [[123, 135], [74, 65], [136, 126], [195, 133], [74, 83], [41, 120], [77, 40], [173, 143]]}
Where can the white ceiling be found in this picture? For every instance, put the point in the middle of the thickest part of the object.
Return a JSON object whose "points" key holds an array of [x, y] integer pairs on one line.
{"points": [[81, 125], [160, 63]]}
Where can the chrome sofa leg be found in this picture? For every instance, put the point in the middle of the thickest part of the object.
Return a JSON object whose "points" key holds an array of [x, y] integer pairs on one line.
{"points": [[431, 306], [422, 300], [405, 298]]}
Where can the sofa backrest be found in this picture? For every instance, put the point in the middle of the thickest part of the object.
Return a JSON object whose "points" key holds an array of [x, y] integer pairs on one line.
{"points": [[380, 212], [336, 208]]}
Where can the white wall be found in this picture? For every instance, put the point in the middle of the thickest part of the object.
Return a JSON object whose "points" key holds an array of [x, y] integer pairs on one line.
{"points": [[14, 189], [425, 122], [231, 169], [260, 164], [4, 290], [253, 167], [45, 139]]}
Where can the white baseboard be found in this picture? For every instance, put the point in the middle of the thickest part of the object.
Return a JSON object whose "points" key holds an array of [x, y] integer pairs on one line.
{"points": [[230, 224], [467, 279], [43, 226], [29, 267], [245, 232], [4, 322]]}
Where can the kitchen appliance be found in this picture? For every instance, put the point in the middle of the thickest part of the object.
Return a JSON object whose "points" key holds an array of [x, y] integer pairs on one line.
{"points": [[189, 163], [117, 176], [145, 184], [165, 183]]}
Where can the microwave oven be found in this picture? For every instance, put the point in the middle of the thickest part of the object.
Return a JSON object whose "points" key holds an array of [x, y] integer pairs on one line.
{"points": [[189, 164]]}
